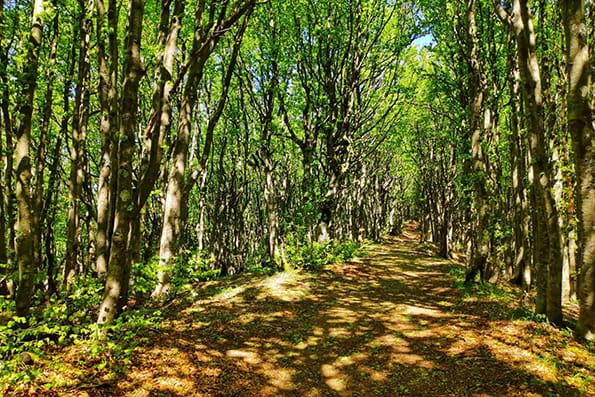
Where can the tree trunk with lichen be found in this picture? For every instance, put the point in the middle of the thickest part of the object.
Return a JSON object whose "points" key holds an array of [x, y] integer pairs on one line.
{"points": [[25, 226], [481, 238], [118, 274], [580, 124], [548, 261]]}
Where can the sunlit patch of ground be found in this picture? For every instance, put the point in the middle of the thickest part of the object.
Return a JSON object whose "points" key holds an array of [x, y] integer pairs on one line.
{"points": [[391, 324]]}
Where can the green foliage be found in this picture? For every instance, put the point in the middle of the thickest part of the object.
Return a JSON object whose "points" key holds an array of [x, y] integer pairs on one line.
{"points": [[527, 314], [188, 268], [57, 323], [72, 321], [129, 330], [312, 255], [347, 250], [144, 277], [193, 267]]}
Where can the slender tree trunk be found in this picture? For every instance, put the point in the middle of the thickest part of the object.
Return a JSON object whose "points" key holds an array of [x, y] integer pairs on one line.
{"points": [[8, 166], [42, 149], [4, 190], [178, 190], [522, 25], [521, 234], [201, 226], [160, 119], [48, 214], [4, 272], [477, 86], [25, 227], [108, 102], [79, 132], [580, 124], [161, 99], [175, 186], [269, 195], [119, 262]]}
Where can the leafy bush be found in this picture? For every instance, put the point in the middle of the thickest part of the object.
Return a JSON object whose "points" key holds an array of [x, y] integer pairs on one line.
{"points": [[144, 277], [347, 250], [64, 322], [312, 255], [193, 267]]}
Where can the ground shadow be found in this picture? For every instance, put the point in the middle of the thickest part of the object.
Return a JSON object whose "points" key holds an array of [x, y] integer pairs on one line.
{"points": [[393, 324]]}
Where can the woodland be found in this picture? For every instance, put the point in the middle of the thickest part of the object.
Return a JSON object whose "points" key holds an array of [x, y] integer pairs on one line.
{"points": [[156, 155]]}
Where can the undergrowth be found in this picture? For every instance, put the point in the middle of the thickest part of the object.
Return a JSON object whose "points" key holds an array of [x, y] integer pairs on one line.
{"points": [[314, 255], [71, 320]]}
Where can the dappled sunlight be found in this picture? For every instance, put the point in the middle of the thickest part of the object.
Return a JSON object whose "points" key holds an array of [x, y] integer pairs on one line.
{"points": [[170, 384], [340, 315], [248, 356], [285, 286], [417, 310], [411, 359], [391, 325], [230, 295]]}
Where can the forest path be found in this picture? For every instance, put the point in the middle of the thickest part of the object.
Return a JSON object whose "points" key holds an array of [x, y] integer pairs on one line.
{"points": [[392, 324]]}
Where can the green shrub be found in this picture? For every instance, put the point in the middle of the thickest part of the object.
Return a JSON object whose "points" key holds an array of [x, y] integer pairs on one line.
{"points": [[144, 277], [192, 267], [312, 255], [347, 250]]}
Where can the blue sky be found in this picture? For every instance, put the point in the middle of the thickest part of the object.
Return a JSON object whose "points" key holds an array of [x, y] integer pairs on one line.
{"points": [[423, 41]]}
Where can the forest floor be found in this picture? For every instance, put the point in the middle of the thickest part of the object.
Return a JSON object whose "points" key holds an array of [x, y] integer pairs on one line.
{"points": [[397, 322]]}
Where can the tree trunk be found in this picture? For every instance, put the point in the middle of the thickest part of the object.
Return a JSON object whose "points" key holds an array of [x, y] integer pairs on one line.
{"points": [[37, 219], [580, 124], [25, 228], [175, 186], [49, 216], [8, 172], [5, 270], [177, 190], [548, 243], [271, 208], [521, 219], [108, 102], [477, 86], [118, 273], [79, 131]]}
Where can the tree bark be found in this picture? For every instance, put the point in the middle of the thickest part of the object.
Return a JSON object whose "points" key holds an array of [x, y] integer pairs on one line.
{"points": [[548, 243], [108, 102], [481, 243], [118, 273], [5, 270], [521, 247], [206, 38], [38, 202], [25, 227], [580, 124], [79, 132]]}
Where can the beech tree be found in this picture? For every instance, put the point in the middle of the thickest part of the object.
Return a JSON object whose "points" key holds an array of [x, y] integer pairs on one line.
{"points": [[580, 124], [118, 272], [26, 233], [208, 33], [546, 229], [149, 147]]}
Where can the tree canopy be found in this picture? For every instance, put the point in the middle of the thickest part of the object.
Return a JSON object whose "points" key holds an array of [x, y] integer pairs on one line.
{"points": [[147, 146]]}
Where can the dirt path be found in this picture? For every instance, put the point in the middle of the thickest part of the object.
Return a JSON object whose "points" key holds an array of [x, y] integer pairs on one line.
{"points": [[393, 324]]}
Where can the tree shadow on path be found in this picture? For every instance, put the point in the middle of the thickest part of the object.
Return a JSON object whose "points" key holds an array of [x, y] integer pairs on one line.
{"points": [[392, 324]]}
